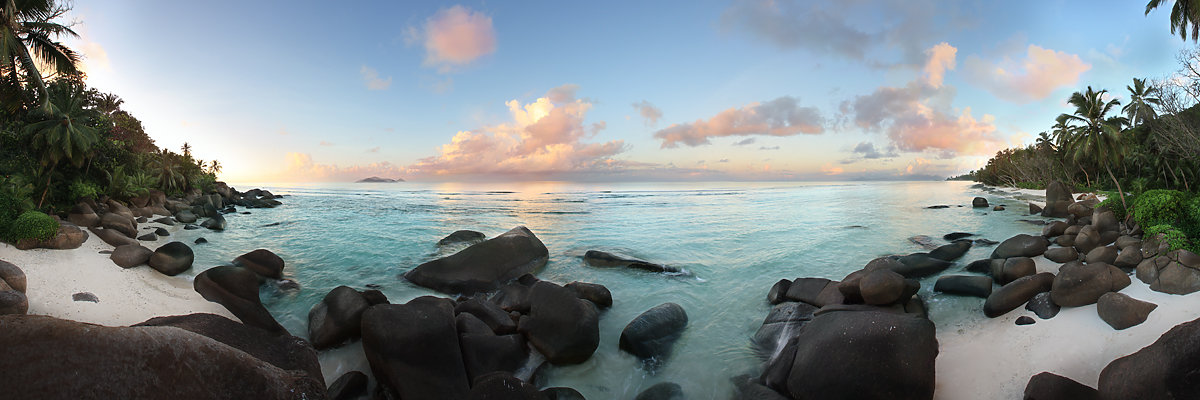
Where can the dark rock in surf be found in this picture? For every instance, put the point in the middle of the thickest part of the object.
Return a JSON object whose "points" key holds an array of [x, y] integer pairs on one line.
{"points": [[414, 350], [651, 334], [483, 266], [337, 318], [236, 288], [964, 285]]}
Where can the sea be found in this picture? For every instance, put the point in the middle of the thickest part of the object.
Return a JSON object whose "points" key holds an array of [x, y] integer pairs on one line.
{"points": [[733, 239]]}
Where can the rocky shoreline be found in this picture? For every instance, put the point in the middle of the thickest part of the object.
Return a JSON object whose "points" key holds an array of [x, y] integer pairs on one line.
{"points": [[497, 325]]}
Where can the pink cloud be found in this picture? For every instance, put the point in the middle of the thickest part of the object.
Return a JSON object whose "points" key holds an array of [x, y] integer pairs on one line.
{"points": [[456, 36], [780, 117], [1042, 72], [941, 58], [544, 136], [300, 167]]}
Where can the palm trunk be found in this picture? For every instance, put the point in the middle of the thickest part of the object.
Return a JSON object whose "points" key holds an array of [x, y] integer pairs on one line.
{"points": [[35, 76], [47, 189], [1119, 190]]}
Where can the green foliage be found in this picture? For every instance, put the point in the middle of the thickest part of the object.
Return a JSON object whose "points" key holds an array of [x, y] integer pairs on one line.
{"points": [[1192, 215], [82, 189], [1039, 185], [32, 225], [1172, 236], [123, 185], [1113, 203], [1158, 207], [15, 196]]}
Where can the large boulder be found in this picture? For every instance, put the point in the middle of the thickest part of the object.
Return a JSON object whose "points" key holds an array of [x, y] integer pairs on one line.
{"points": [[462, 237], [483, 266], [597, 258], [1056, 228], [113, 237], [1021, 246], [845, 354], [120, 223], [485, 352], [593, 292], [172, 258], [1175, 272], [12, 290], [881, 287], [1087, 239], [283, 351], [497, 320], [262, 262], [1121, 311], [1128, 258], [69, 236], [1048, 386], [964, 285], [215, 222], [1016, 293], [142, 362], [1012, 269], [130, 255], [1079, 284], [186, 216], [1058, 198], [1105, 254], [979, 202], [12, 276], [1166, 369], [815, 291], [337, 318], [413, 349], [83, 215], [919, 265], [781, 325], [651, 334], [952, 251], [236, 288], [561, 326], [1062, 254]]}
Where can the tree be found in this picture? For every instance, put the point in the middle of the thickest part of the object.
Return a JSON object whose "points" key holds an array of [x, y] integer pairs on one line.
{"points": [[65, 135], [187, 150], [107, 103], [214, 167], [1142, 100], [169, 172], [1096, 137], [27, 40]]}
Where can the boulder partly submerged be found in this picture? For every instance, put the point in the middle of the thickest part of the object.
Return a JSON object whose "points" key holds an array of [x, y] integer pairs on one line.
{"points": [[483, 266], [597, 258]]}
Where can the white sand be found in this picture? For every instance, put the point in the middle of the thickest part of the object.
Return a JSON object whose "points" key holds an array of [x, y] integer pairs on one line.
{"points": [[127, 296], [996, 358]]}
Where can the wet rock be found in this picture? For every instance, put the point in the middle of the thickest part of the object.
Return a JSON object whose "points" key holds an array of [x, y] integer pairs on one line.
{"points": [[561, 326], [957, 235], [652, 334], [1062, 254], [503, 386], [350, 386], [782, 324], [964, 285], [172, 258], [263, 262], [215, 222], [778, 292], [236, 289], [1016, 293], [952, 251], [1080, 284], [1166, 369], [881, 287], [462, 237], [201, 241], [919, 265], [983, 266], [496, 318], [815, 291], [168, 221], [1107, 255], [662, 391], [485, 352], [1048, 386], [1021, 246], [1012, 269], [483, 266], [130, 255], [161, 232], [284, 351], [1120, 311], [413, 349], [1025, 320], [998, 208], [979, 202], [1034, 209], [337, 318], [597, 258], [1043, 305], [593, 292]]}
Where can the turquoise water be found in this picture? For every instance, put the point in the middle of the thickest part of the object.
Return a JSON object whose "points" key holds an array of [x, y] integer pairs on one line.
{"points": [[736, 239]]}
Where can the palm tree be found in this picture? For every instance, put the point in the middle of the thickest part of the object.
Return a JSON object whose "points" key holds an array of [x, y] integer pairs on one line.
{"points": [[187, 150], [1141, 101], [108, 103], [168, 171], [1096, 136], [64, 135], [1045, 142], [27, 33], [214, 167]]}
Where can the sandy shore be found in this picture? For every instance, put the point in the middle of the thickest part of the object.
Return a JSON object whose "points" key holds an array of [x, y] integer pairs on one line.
{"points": [[127, 296]]}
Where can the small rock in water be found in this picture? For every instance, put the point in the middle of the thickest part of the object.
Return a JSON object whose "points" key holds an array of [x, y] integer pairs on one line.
{"points": [[986, 242], [245, 213], [998, 208], [162, 232], [937, 207], [856, 227], [191, 227], [374, 286], [1025, 320], [272, 224], [201, 240], [85, 296], [287, 284], [956, 235]]}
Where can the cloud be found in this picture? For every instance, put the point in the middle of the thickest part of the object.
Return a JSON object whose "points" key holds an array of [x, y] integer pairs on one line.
{"points": [[769, 148], [371, 78], [455, 37], [918, 118], [941, 58], [723, 160], [649, 112], [95, 58], [1033, 78], [829, 169], [373, 149], [744, 142], [780, 117], [324, 143], [544, 136], [301, 166], [868, 151]]}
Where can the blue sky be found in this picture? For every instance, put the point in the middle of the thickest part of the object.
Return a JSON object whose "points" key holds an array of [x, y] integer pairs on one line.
{"points": [[753, 90]]}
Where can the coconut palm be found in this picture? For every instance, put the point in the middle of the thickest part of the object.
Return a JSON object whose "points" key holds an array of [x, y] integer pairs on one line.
{"points": [[187, 150], [214, 167], [1142, 100], [107, 103], [27, 40], [64, 135], [1096, 135], [169, 172]]}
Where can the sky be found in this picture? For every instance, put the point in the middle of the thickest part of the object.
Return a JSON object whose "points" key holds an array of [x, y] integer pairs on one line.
{"points": [[297, 91]]}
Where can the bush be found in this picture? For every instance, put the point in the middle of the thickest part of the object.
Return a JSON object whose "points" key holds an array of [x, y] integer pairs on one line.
{"points": [[32, 225], [1174, 238], [1158, 207], [1039, 185], [1192, 214], [80, 189], [1113, 203]]}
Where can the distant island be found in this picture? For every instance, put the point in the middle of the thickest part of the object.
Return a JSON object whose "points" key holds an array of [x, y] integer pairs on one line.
{"points": [[376, 179]]}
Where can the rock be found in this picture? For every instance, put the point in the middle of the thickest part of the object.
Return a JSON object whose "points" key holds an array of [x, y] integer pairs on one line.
{"points": [[168, 221], [120, 223], [172, 258], [337, 318], [1120, 311], [952, 251], [925, 242], [1021, 246], [462, 237], [1034, 209], [350, 386], [68, 237], [503, 386], [1012, 269], [1080, 209], [1080, 284], [1043, 305], [815, 291], [1056, 228], [778, 292], [512, 297], [593, 292], [938, 207], [983, 266], [483, 266], [83, 215], [1087, 239], [1175, 272], [85, 296], [598, 258], [1126, 241], [413, 349], [562, 327], [1058, 198], [12, 276], [1016, 293], [1107, 255], [190, 227], [186, 217], [236, 288], [137, 362], [1105, 221], [201, 241], [662, 391], [161, 232], [484, 352], [1073, 230], [130, 255], [263, 262], [112, 237], [881, 287], [651, 334], [957, 235], [149, 237], [964, 285], [1066, 241], [492, 315], [1062, 254], [1129, 258], [1025, 320], [1166, 369], [215, 222], [1048, 386], [998, 208], [12, 301], [141, 219], [919, 265], [284, 351], [979, 202], [781, 325], [838, 356]]}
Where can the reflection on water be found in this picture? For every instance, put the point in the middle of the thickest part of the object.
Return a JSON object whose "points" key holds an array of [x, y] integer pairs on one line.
{"points": [[737, 239]]}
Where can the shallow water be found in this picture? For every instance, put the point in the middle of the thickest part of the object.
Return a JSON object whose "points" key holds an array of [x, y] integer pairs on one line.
{"points": [[736, 239]]}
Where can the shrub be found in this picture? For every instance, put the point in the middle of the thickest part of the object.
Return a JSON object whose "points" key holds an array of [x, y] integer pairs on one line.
{"points": [[1039, 185], [1174, 238], [1158, 207], [80, 189], [32, 225], [1192, 215], [1113, 203]]}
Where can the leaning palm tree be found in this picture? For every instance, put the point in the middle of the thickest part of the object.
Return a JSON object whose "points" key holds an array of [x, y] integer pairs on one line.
{"points": [[27, 40], [1142, 100], [1183, 13], [64, 135], [214, 167], [1096, 136]]}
